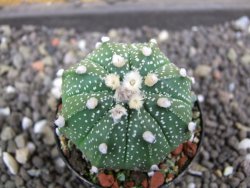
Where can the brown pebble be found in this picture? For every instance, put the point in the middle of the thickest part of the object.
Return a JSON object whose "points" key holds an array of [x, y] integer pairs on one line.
{"points": [[177, 150], [190, 149], [182, 161]]}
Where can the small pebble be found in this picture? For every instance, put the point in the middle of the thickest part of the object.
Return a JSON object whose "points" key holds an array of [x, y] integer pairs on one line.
{"points": [[7, 133], [26, 123], [163, 36], [244, 144], [5, 111], [20, 141], [242, 23], [228, 171], [22, 155], [10, 162]]}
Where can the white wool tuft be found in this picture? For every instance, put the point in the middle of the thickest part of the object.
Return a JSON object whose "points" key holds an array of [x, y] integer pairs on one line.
{"points": [[183, 72], [151, 173], [148, 137], [94, 170], [81, 69], [105, 39], [151, 79], [191, 126], [117, 112], [59, 73], [193, 80], [146, 51], [153, 41], [103, 148], [60, 122], [164, 102], [58, 132], [154, 167], [98, 45], [118, 61], [112, 81], [132, 81], [92, 103], [136, 102]]}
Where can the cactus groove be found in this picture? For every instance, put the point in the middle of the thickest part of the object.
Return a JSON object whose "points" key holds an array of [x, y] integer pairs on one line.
{"points": [[126, 106]]}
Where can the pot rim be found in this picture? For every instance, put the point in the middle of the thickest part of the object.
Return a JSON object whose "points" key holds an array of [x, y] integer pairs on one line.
{"points": [[175, 180]]}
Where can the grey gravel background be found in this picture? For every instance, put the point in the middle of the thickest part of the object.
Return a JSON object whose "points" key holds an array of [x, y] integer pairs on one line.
{"points": [[218, 57]]}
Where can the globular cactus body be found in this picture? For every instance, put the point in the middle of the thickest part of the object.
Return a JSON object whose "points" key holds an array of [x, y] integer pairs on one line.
{"points": [[126, 106]]}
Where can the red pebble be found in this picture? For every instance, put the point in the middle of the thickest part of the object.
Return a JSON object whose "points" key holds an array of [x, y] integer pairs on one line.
{"points": [[106, 180], [157, 180], [177, 150], [182, 161], [190, 149]]}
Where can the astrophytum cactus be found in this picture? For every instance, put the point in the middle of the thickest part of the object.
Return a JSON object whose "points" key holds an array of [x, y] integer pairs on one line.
{"points": [[125, 106]]}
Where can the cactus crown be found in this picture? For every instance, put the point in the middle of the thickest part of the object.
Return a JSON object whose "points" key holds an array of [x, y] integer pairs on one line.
{"points": [[125, 106]]}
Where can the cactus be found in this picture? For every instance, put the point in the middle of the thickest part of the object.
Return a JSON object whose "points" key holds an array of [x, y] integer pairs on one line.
{"points": [[125, 106]]}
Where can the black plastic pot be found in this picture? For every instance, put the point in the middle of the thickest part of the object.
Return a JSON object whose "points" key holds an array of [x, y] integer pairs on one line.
{"points": [[88, 184]]}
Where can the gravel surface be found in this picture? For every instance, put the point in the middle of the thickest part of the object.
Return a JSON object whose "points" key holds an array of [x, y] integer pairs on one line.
{"points": [[218, 57]]}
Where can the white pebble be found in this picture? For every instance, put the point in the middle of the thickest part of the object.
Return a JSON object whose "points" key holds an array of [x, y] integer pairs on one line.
{"points": [[118, 61], [60, 163], [183, 72], [103, 148], [148, 137], [154, 167], [228, 171], [242, 23], [151, 173], [191, 185], [82, 45], [81, 69], [105, 39], [200, 98], [147, 51], [31, 147], [164, 102], [94, 170], [60, 72], [60, 122], [92, 103], [39, 126], [244, 144], [191, 126], [163, 36], [22, 155], [11, 163], [98, 45], [196, 140], [10, 89], [26, 123], [5, 111]]}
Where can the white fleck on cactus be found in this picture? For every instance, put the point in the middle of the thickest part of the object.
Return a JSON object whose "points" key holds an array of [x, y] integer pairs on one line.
{"points": [[128, 108]]}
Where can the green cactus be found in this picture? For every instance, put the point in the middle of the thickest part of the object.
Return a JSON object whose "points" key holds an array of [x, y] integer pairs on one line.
{"points": [[125, 106]]}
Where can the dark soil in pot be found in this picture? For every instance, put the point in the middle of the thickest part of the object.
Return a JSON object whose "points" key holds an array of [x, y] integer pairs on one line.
{"points": [[171, 169]]}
